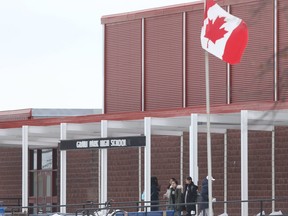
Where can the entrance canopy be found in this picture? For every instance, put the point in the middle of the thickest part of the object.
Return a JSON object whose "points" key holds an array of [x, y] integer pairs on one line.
{"points": [[35, 134]]}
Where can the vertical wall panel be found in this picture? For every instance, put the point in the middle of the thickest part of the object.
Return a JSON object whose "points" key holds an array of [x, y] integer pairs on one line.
{"points": [[195, 63], [283, 50], [163, 62], [252, 79], [123, 67]]}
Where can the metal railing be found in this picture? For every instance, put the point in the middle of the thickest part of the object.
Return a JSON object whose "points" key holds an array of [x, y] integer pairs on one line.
{"points": [[10, 202], [26, 210], [234, 207]]}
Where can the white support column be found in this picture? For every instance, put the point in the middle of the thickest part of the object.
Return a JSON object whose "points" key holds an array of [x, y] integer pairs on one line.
{"points": [[181, 158], [24, 167], [63, 169], [193, 149], [103, 68], [147, 160], [139, 176], [225, 172], [244, 161], [99, 175], [104, 163]]}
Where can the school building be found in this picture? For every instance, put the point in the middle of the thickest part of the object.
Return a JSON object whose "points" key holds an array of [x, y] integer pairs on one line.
{"points": [[154, 90]]}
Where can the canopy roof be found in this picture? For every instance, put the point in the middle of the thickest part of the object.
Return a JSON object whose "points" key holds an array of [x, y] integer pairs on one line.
{"points": [[45, 132]]}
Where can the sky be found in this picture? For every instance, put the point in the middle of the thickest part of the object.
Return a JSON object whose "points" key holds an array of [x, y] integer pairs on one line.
{"points": [[51, 51]]}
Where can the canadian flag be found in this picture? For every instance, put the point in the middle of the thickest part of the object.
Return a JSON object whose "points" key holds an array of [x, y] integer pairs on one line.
{"points": [[223, 34]]}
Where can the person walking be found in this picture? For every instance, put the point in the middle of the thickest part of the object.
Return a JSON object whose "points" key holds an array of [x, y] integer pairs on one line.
{"points": [[190, 196], [175, 198]]}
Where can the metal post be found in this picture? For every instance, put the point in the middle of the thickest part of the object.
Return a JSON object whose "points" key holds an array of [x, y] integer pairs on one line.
{"points": [[209, 154]]}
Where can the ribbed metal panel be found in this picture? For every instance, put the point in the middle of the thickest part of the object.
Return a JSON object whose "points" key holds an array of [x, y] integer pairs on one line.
{"points": [[252, 79], [163, 62], [123, 67], [283, 50], [195, 62]]}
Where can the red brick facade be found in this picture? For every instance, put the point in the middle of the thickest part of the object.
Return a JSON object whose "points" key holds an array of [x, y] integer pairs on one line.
{"points": [[251, 81], [10, 174], [82, 172]]}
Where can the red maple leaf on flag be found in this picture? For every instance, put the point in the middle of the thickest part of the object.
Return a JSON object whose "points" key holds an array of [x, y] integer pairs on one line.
{"points": [[214, 31]]}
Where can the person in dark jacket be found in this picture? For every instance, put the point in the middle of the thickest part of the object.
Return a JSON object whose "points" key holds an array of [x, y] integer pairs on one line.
{"points": [[190, 196], [204, 207], [204, 195], [155, 189], [175, 198]]}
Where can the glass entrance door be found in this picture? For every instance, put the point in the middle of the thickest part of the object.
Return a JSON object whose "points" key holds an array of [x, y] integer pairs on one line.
{"points": [[44, 191], [42, 180]]}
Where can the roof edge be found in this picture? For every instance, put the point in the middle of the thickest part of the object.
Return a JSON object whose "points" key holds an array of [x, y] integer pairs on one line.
{"points": [[221, 109], [164, 10], [158, 11]]}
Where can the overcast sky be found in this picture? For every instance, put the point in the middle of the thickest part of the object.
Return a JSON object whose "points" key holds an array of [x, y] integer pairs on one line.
{"points": [[51, 51]]}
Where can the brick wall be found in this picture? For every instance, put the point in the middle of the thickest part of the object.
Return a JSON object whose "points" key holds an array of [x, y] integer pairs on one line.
{"points": [[123, 174], [234, 171], [82, 177], [10, 174], [281, 168], [217, 148], [165, 163], [82, 169]]}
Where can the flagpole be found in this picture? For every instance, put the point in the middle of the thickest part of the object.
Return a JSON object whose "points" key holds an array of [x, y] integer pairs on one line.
{"points": [[209, 156]]}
